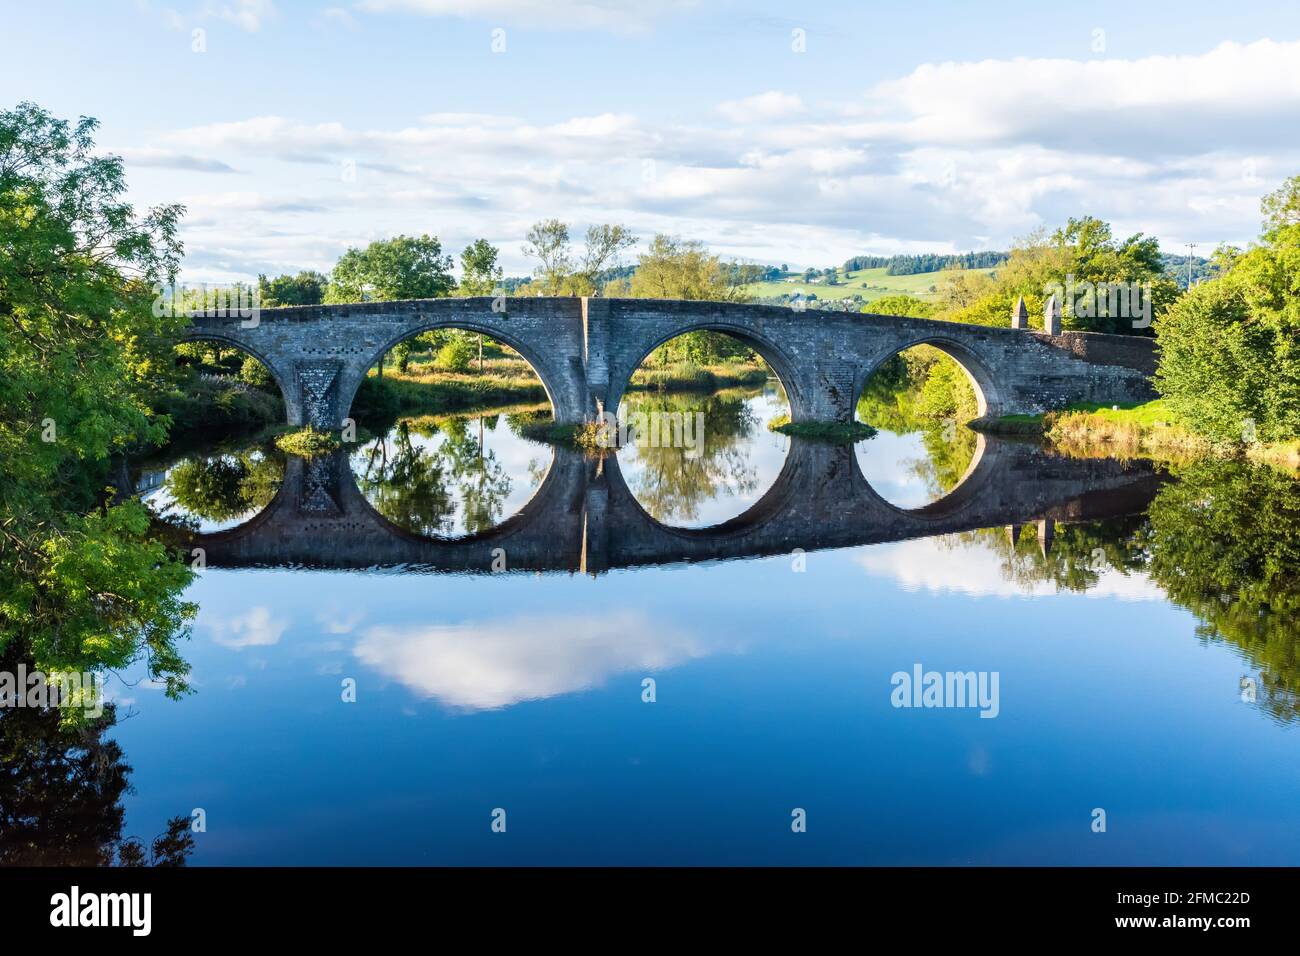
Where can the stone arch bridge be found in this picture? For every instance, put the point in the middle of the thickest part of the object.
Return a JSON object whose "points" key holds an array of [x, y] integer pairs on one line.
{"points": [[585, 350]]}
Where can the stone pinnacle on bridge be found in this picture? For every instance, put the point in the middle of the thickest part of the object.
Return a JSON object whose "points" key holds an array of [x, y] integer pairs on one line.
{"points": [[1020, 315], [1052, 316], [1046, 535]]}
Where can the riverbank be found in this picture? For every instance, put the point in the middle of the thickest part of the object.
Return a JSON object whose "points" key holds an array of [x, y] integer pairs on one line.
{"points": [[204, 408], [1150, 430], [212, 408], [505, 381]]}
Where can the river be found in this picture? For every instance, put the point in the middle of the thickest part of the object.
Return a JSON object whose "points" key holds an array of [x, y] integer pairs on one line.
{"points": [[705, 654]]}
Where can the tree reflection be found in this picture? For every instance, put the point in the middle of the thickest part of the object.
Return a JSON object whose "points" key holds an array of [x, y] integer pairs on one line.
{"points": [[424, 485], [61, 787], [226, 486], [1222, 541], [675, 481], [1079, 553], [934, 402]]}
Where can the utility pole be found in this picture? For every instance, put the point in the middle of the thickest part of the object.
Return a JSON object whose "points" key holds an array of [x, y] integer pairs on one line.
{"points": [[1191, 248]]}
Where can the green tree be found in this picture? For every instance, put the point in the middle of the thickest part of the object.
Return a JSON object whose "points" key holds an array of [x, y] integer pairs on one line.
{"points": [[480, 274], [1229, 353], [548, 243], [673, 268], [305, 288], [560, 271], [456, 355], [1224, 542], [83, 583], [901, 304], [673, 481], [61, 790], [1281, 208], [226, 486], [417, 486], [1082, 263], [404, 267]]}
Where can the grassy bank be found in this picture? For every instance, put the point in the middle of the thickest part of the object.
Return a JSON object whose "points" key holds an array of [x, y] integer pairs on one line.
{"points": [[306, 442], [426, 388], [506, 381], [1014, 425], [868, 283], [1149, 430], [539, 425], [202, 408], [688, 377], [1284, 454], [837, 432]]}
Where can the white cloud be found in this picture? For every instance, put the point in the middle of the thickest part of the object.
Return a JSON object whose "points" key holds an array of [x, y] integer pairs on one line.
{"points": [[951, 157], [168, 159], [336, 621], [761, 108], [492, 664], [256, 628], [248, 15], [1110, 105], [338, 16]]}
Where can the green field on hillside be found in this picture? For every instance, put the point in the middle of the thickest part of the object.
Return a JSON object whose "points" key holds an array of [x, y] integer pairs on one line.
{"points": [[871, 284]]}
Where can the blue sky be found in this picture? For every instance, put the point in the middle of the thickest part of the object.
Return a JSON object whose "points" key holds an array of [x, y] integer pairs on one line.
{"points": [[303, 127]]}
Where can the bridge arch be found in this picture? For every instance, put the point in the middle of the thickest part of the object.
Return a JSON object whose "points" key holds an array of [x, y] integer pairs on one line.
{"points": [[352, 377], [952, 503], [777, 359], [279, 375], [507, 494], [988, 393]]}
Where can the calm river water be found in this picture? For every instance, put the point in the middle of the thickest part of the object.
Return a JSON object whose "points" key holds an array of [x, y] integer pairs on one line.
{"points": [[1129, 629]]}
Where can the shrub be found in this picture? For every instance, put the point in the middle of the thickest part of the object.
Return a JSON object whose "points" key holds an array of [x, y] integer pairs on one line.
{"points": [[307, 442], [376, 400], [254, 373], [456, 355], [1229, 364]]}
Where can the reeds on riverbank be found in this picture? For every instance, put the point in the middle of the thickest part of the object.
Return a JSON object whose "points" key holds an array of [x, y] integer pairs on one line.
{"points": [[1147, 431]]}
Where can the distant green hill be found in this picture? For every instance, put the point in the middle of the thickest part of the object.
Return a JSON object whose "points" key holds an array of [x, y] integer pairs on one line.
{"points": [[869, 284], [911, 264]]}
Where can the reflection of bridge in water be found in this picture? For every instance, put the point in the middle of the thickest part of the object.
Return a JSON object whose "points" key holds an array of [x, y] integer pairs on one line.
{"points": [[585, 518]]}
